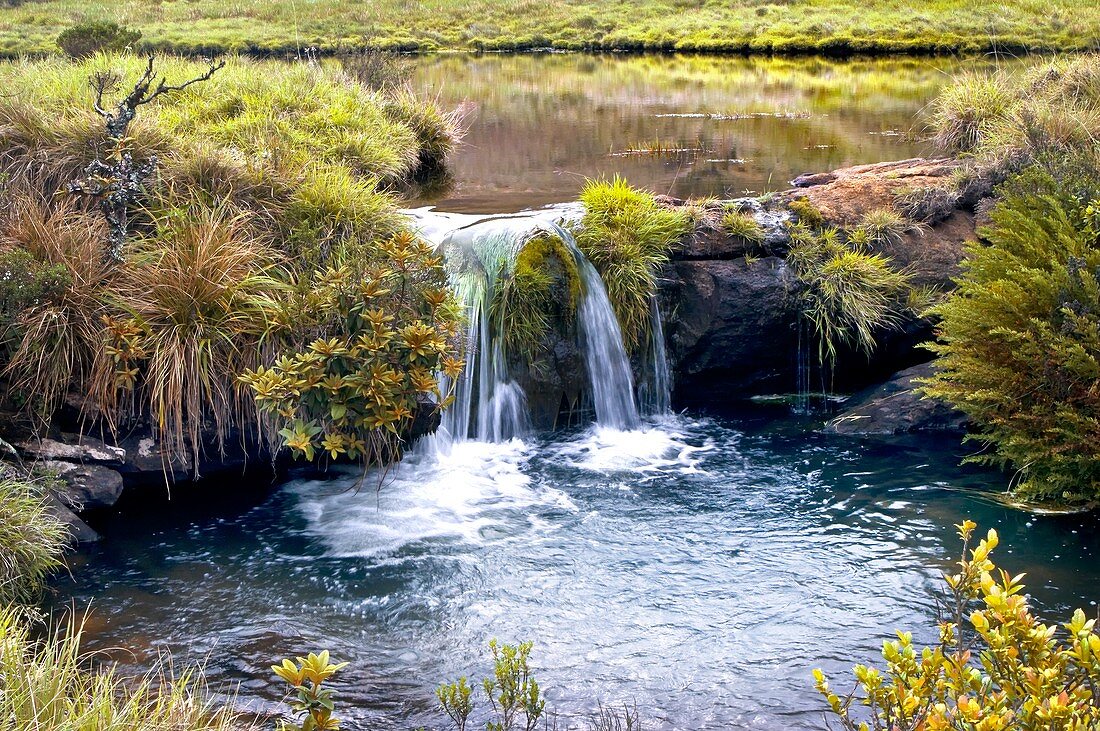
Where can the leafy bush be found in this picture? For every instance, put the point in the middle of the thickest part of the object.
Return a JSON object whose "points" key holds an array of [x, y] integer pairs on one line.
{"points": [[313, 703], [31, 541], [512, 691], [96, 36], [1019, 340], [627, 235], [25, 282], [49, 686], [996, 666]]}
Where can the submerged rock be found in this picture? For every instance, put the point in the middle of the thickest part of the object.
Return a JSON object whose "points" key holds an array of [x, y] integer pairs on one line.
{"points": [[896, 407]]}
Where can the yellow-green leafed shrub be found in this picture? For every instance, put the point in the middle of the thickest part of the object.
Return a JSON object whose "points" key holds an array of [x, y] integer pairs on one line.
{"points": [[628, 235], [1019, 339], [50, 685], [374, 340], [996, 667], [31, 541]]}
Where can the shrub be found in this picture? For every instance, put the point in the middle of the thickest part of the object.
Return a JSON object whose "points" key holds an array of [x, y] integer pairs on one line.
{"points": [[512, 691], [996, 666], [627, 235], [48, 686], [377, 70], [96, 36], [31, 541], [25, 282], [313, 702], [1019, 343]]}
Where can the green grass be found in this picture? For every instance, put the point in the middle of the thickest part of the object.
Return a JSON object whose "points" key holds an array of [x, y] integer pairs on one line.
{"points": [[31, 542], [766, 26]]}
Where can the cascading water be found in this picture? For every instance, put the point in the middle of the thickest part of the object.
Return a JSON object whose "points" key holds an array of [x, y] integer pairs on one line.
{"points": [[489, 405]]}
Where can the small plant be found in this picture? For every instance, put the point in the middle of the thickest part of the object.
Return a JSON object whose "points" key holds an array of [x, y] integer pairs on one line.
{"points": [[744, 226], [31, 540], [456, 700], [884, 227], [312, 703], [96, 36], [807, 213], [996, 666], [964, 114], [513, 693], [929, 204]]}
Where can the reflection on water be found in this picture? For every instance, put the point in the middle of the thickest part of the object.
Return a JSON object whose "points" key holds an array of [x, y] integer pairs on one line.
{"points": [[699, 567], [682, 125]]}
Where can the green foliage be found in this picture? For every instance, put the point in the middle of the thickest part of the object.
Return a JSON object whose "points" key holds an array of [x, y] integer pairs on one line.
{"points": [[540, 292], [380, 335], [31, 541], [456, 700], [996, 667], [964, 114], [280, 28], [512, 691], [269, 175], [313, 703], [49, 686], [1019, 340], [885, 227], [847, 295], [25, 282], [627, 235], [743, 225], [806, 212], [96, 36]]}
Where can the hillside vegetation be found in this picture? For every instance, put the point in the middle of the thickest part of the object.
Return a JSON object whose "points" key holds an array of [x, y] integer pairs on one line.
{"points": [[770, 26]]}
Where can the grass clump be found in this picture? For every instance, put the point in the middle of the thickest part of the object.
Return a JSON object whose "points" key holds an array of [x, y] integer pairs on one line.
{"points": [[268, 176], [31, 543], [539, 294], [627, 235], [1019, 340], [806, 212], [884, 227], [50, 685], [847, 296], [744, 226]]}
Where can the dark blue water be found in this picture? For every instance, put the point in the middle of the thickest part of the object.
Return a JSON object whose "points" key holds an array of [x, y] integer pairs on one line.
{"points": [[698, 567]]}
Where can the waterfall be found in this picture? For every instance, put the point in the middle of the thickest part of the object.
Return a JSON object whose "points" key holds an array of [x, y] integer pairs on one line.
{"points": [[489, 405], [655, 390]]}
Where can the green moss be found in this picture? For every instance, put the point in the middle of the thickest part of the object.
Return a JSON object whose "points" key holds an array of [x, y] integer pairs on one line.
{"points": [[628, 236], [807, 212], [539, 295]]}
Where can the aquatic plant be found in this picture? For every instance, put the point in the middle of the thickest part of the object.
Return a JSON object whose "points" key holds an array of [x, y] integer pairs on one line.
{"points": [[50, 685], [31, 542], [1018, 339], [313, 703], [847, 295], [744, 226], [995, 666], [628, 235]]}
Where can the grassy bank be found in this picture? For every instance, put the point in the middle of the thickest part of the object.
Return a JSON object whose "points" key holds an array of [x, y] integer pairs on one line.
{"points": [[733, 26]]}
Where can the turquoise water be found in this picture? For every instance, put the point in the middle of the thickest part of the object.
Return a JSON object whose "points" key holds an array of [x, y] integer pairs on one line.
{"points": [[700, 567]]}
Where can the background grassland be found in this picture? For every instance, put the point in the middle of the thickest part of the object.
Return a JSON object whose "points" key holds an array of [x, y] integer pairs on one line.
{"points": [[778, 26]]}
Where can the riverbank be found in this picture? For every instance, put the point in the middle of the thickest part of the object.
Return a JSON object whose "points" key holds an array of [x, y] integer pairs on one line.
{"points": [[832, 27]]}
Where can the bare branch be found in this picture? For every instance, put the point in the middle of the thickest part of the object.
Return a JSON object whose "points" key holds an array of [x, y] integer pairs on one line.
{"points": [[163, 88]]}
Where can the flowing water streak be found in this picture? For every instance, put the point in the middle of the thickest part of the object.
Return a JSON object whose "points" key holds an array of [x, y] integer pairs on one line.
{"points": [[655, 391]]}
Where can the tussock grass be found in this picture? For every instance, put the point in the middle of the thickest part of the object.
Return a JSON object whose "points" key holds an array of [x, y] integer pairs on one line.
{"points": [[31, 543], [764, 26], [743, 225], [268, 174], [50, 686], [627, 236]]}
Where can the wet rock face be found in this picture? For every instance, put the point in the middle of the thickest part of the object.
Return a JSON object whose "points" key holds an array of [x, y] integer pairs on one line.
{"points": [[895, 408], [730, 304], [731, 327]]}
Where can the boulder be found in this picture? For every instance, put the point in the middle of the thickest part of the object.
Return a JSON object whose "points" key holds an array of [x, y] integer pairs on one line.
{"points": [[79, 531], [72, 448], [730, 326], [86, 486], [896, 407]]}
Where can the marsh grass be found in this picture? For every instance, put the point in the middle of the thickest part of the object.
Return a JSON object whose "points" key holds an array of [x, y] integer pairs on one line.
{"points": [[835, 27], [628, 236], [50, 685], [31, 541]]}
